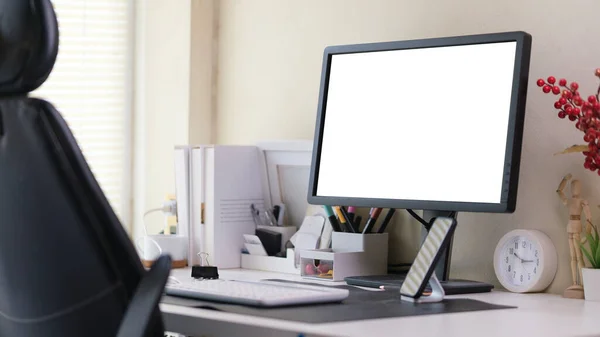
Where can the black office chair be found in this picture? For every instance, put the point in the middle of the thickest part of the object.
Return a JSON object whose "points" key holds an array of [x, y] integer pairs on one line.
{"points": [[67, 267]]}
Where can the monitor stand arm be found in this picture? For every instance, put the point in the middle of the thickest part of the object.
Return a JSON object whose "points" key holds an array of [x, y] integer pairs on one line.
{"points": [[442, 269]]}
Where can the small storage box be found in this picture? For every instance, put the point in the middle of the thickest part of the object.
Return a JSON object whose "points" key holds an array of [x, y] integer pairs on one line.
{"points": [[352, 254]]}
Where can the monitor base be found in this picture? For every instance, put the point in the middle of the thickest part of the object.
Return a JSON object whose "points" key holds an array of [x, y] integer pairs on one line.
{"points": [[436, 294], [394, 281]]}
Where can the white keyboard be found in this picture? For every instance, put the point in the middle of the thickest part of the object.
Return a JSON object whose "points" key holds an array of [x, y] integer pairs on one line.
{"points": [[263, 293]]}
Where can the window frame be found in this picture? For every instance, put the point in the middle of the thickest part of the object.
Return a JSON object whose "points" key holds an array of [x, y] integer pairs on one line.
{"points": [[127, 203]]}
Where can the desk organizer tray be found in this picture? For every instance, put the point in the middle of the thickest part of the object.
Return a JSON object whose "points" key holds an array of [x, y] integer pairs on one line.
{"points": [[360, 305], [271, 263]]}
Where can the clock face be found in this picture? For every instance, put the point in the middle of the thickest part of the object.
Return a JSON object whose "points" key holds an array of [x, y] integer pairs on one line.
{"points": [[520, 261], [525, 261]]}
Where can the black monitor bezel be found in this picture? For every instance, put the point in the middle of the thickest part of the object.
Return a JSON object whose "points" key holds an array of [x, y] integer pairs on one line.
{"points": [[516, 122]]}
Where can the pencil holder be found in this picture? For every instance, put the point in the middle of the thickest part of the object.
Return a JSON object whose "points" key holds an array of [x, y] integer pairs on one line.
{"points": [[351, 254]]}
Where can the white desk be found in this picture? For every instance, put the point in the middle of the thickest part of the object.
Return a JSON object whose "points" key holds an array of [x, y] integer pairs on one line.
{"points": [[537, 315]]}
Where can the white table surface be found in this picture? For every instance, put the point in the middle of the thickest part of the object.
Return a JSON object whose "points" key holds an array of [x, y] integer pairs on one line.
{"points": [[536, 315]]}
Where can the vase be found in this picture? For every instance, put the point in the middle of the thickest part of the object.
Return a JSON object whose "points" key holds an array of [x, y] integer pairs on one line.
{"points": [[591, 284]]}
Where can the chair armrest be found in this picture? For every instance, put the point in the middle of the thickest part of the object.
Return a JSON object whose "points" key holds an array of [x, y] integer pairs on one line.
{"points": [[145, 299]]}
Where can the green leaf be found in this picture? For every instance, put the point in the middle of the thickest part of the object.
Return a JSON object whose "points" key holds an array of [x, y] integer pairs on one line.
{"points": [[597, 257], [593, 241], [588, 256]]}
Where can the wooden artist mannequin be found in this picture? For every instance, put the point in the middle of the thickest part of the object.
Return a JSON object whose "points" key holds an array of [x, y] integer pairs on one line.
{"points": [[574, 228]]}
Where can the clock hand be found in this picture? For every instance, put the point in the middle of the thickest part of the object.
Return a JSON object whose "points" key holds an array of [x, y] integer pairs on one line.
{"points": [[518, 257], [522, 261]]}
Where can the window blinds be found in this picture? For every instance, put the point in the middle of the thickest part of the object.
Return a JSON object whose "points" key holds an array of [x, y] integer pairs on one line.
{"points": [[90, 86]]}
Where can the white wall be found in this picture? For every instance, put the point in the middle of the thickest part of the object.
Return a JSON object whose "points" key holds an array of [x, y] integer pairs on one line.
{"points": [[270, 55], [174, 101], [161, 116]]}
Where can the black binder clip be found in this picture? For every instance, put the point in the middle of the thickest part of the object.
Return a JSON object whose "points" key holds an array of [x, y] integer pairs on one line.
{"points": [[205, 271]]}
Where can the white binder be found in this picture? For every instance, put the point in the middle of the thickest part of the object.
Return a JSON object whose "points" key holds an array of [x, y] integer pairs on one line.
{"points": [[225, 181], [182, 193]]}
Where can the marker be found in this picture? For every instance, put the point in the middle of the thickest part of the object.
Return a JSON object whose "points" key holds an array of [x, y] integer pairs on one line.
{"points": [[345, 224], [386, 220], [374, 214], [332, 219], [357, 222], [351, 211], [350, 224]]}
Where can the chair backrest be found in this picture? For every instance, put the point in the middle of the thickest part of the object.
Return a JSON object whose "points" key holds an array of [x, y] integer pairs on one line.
{"points": [[67, 267]]}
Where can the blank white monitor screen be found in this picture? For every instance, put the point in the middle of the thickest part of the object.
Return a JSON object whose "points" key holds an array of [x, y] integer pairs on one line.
{"points": [[418, 124]]}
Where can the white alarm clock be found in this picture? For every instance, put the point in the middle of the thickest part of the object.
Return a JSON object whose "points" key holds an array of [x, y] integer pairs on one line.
{"points": [[525, 261]]}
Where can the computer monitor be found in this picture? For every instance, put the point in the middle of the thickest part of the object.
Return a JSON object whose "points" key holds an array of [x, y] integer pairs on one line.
{"points": [[433, 124], [430, 124]]}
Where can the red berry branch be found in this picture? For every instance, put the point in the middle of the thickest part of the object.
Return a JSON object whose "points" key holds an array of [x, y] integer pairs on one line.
{"points": [[585, 114]]}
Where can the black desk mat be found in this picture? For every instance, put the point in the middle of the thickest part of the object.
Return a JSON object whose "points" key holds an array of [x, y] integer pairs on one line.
{"points": [[360, 305]]}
